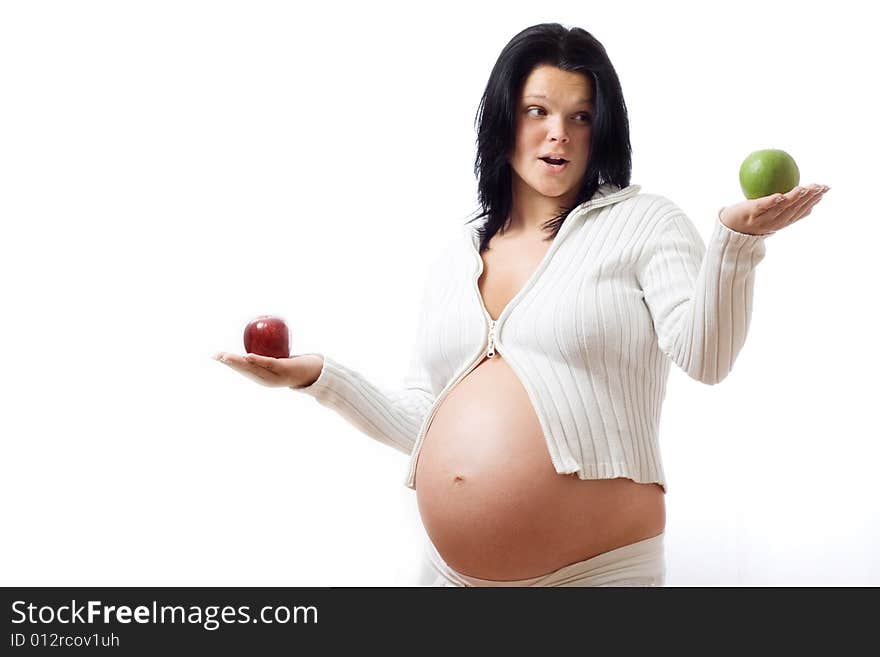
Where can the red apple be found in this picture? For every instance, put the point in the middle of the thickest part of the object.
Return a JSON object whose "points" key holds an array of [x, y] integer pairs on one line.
{"points": [[267, 336]]}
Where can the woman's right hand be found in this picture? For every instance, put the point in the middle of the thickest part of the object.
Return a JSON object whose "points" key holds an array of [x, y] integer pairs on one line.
{"points": [[294, 372]]}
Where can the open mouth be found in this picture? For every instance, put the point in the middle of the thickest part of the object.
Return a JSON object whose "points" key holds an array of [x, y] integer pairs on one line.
{"points": [[554, 165]]}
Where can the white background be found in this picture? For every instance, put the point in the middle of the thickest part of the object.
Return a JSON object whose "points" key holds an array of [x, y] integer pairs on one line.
{"points": [[169, 170]]}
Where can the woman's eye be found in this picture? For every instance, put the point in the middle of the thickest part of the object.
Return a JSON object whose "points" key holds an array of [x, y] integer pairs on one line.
{"points": [[585, 117]]}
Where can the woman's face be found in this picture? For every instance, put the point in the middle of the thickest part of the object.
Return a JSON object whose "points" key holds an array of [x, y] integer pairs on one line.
{"points": [[560, 122]]}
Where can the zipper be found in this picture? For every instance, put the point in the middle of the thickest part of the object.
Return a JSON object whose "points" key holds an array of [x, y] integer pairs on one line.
{"points": [[489, 350], [485, 352], [437, 402], [523, 382]]}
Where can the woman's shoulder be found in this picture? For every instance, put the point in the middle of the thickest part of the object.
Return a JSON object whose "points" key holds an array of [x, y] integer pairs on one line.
{"points": [[648, 200], [652, 207]]}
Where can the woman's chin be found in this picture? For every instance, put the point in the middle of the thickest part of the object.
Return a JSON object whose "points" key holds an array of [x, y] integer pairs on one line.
{"points": [[552, 191]]}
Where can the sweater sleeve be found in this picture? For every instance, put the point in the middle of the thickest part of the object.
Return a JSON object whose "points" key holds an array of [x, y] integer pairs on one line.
{"points": [[391, 416], [700, 299]]}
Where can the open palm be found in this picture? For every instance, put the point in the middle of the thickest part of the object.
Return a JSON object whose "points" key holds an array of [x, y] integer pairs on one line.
{"points": [[768, 214]]}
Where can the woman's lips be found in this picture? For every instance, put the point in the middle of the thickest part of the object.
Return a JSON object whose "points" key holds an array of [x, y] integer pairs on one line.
{"points": [[554, 168]]}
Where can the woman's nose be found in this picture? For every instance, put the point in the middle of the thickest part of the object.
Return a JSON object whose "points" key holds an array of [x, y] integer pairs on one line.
{"points": [[557, 131]]}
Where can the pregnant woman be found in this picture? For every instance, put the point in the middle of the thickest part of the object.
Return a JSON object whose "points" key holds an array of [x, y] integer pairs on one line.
{"points": [[531, 407]]}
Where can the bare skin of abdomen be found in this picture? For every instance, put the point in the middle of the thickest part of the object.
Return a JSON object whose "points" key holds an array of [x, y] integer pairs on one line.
{"points": [[491, 501]]}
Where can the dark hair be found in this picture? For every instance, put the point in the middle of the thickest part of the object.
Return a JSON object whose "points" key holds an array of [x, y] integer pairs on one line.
{"points": [[610, 157]]}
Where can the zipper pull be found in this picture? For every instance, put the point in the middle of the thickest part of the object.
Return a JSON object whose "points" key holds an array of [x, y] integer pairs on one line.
{"points": [[491, 350]]}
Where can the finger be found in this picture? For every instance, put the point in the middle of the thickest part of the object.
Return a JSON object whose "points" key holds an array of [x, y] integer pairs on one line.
{"points": [[266, 362], [768, 203], [782, 205], [793, 210], [252, 371], [809, 206], [243, 363], [770, 208], [782, 201], [804, 208]]}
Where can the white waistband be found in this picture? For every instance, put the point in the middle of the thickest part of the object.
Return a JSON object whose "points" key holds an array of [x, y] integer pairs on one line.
{"points": [[642, 560]]}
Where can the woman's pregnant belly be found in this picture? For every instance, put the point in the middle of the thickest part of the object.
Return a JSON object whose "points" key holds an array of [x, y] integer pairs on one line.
{"points": [[491, 501]]}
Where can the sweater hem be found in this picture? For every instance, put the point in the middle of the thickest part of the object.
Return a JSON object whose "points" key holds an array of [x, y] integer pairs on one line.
{"points": [[738, 237], [598, 471], [321, 382], [614, 471]]}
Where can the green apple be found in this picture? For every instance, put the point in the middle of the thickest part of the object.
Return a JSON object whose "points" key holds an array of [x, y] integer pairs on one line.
{"points": [[766, 172]]}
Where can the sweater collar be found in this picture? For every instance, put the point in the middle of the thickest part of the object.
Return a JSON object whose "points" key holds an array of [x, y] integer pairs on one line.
{"points": [[606, 194]]}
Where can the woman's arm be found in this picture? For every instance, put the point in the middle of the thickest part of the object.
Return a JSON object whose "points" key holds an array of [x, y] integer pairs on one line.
{"points": [[391, 416], [700, 298]]}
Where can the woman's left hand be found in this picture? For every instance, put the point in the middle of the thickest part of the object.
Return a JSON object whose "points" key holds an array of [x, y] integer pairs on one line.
{"points": [[766, 215]]}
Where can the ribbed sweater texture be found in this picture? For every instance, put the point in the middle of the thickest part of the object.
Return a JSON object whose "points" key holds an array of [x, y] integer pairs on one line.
{"points": [[626, 287]]}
